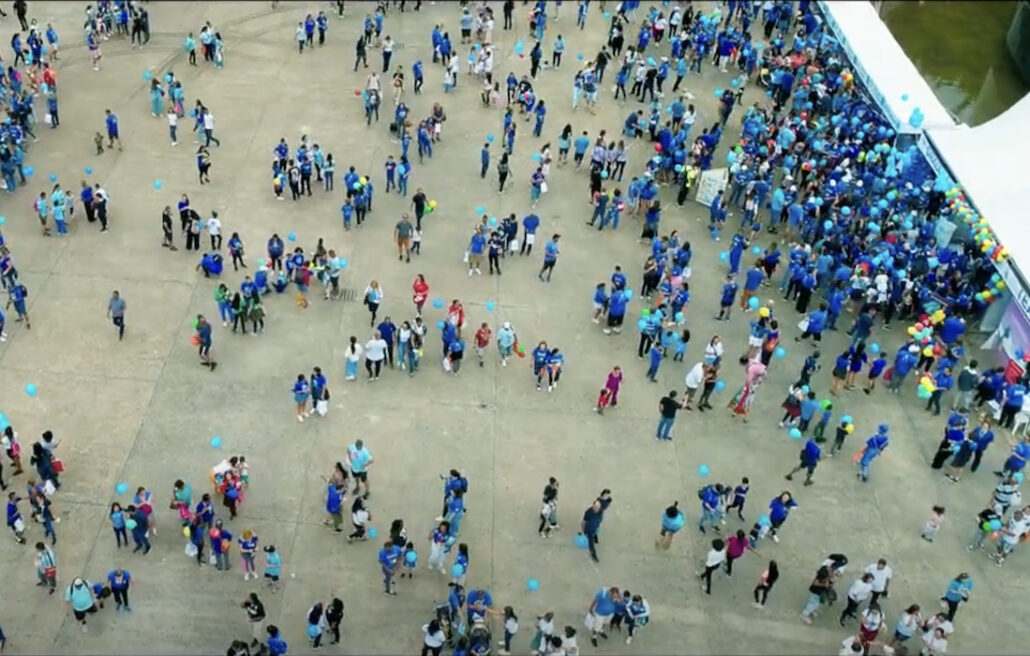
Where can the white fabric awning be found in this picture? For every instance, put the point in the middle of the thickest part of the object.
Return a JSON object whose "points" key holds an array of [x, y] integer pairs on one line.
{"points": [[883, 67], [989, 163]]}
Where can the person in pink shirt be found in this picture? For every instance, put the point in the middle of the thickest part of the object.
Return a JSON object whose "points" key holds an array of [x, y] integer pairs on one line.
{"points": [[613, 384], [735, 548]]}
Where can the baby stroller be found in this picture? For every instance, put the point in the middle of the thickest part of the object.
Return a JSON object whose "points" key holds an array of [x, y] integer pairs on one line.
{"points": [[442, 612], [480, 638]]}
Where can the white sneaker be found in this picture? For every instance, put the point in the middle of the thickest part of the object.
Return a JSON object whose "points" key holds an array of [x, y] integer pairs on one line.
{"points": [[776, 539], [504, 363], [629, 639], [478, 272], [300, 418], [470, 273]]}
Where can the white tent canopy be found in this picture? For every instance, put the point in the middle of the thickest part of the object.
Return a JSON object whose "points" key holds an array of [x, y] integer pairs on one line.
{"points": [[989, 162], [883, 67]]}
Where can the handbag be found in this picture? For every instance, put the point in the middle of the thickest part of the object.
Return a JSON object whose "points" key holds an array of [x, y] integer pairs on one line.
{"points": [[50, 572], [803, 325], [543, 187], [57, 465], [191, 550]]}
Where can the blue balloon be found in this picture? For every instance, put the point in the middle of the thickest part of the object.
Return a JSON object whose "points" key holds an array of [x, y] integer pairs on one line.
{"points": [[703, 471], [158, 184], [30, 389], [480, 209], [373, 533], [28, 171], [537, 157], [579, 57], [492, 221], [490, 138], [763, 520], [216, 442], [53, 177], [805, 389], [490, 306], [89, 170], [342, 261], [607, 15], [795, 434], [846, 211], [121, 488], [519, 48], [756, 250], [457, 570], [874, 348], [718, 93], [438, 303], [439, 324], [581, 541], [313, 630], [532, 584], [410, 557], [292, 236], [780, 352], [628, 294], [995, 524], [3, 220], [720, 385], [724, 256], [753, 303], [904, 97], [846, 419], [827, 225], [147, 75]]}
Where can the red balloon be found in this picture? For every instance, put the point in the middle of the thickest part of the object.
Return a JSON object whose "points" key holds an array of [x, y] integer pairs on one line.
{"points": [[937, 350], [919, 326], [926, 340], [357, 92], [658, 147]]}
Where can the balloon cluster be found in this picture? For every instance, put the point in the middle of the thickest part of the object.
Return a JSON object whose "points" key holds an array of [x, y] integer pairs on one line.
{"points": [[430, 206], [926, 385], [983, 236], [363, 180]]}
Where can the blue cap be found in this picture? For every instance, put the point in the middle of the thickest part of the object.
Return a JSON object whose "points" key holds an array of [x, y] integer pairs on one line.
{"points": [[882, 428]]}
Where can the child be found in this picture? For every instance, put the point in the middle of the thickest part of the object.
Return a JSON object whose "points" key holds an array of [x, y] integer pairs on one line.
{"points": [[808, 409], [681, 346], [838, 440], [934, 523], [875, 369], [758, 532], [824, 421], [244, 470], [656, 360], [410, 560], [359, 517], [273, 567], [511, 627], [600, 302], [603, 398], [739, 497], [416, 241], [100, 593], [548, 518], [98, 140], [791, 407]]}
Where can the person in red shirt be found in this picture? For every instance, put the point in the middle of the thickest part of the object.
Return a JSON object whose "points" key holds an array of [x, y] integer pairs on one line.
{"points": [[456, 316], [482, 341], [420, 292]]}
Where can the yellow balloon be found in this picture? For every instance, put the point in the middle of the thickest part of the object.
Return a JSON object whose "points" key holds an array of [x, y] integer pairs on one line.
{"points": [[763, 312], [849, 429], [186, 531], [911, 330], [928, 351]]}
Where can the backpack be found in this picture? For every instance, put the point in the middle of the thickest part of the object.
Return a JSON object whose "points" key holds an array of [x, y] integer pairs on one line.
{"points": [[701, 491], [463, 484]]}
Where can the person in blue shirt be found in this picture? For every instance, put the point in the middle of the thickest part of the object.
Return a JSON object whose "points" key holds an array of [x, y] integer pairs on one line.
{"points": [[672, 521], [957, 592], [816, 324], [550, 258], [617, 311], [737, 246], [1014, 395], [982, 436], [779, 510], [943, 381], [729, 292], [602, 608], [655, 356], [809, 458], [875, 370], [1016, 460], [118, 580], [874, 446], [540, 112], [904, 362], [275, 643], [835, 305], [456, 353], [711, 496], [389, 561], [111, 122], [478, 604], [322, 22], [809, 406]]}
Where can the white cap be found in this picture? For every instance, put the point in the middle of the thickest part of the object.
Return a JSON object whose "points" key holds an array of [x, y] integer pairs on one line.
{"points": [[507, 325]]}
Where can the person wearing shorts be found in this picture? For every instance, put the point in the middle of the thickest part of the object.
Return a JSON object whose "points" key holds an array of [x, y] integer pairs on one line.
{"points": [[402, 234], [614, 323], [203, 340], [602, 610]]}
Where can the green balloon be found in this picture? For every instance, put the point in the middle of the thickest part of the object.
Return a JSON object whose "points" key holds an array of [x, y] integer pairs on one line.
{"points": [[645, 312]]}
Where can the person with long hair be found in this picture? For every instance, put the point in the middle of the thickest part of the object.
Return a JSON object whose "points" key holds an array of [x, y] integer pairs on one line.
{"points": [[316, 625], [420, 293], [754, 376], [766, 582], [333, 617]]}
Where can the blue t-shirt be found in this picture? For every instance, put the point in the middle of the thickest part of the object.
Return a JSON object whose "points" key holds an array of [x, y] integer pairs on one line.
{"points": [[550, 252], [673, 523], [956, 589], [754, 279], [603, 604]]}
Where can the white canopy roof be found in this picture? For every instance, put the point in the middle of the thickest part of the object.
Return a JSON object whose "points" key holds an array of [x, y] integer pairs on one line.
{"points": [[883, 67], [989, 162]]}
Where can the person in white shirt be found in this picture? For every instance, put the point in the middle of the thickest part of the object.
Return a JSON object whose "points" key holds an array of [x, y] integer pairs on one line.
{"points": [[638, 615], [935, 643], [694, 378], [375, 353], [544, 631], [859, 591], [433, 638], [214, 230], [568, 642], [716, 557], [882, 574], [209, 129], [173, 123], [1010, 535]]}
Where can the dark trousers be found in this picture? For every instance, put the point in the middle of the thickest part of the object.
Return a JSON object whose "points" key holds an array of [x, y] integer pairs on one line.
{"points": [[761, 594], [849, 611], [121, 596], [373, 368], [706, 576], [591, 545]]}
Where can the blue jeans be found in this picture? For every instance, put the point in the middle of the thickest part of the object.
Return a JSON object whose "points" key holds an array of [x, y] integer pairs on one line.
{"points": [[867, 459], [140, 538], [711, 517], [811, 605], [402, 186], [665, 427], [387, 578], [350, 369], [412, 361], [225, 310]]}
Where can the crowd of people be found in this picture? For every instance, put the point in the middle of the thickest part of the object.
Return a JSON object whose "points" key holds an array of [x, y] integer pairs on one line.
{"points": [[833, 215]]}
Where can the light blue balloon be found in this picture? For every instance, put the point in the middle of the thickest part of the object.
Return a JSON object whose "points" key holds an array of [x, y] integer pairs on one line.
{"points": [[53, 177], [492, 221], [342, 262], [795, 434], [763, 520], [410, 557], [438, 303], [703, 471], [30, 389], [89, 170], [439, 324], [373, 533], [457, 570], [313, 630], [846, 419], [490, 306], [490, 138], [780, 352], [480, 209], [874, 348], [724, 256], [720, 385], [216, 442], [532, 584], [3, 220], [581, 541], [121, 488], [628, 294], [753, 303], [147, 76], [827, 225], [157, 184], [292, 236]]}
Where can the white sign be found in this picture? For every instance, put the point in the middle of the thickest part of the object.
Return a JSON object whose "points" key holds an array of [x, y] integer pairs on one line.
{"points": [[711, 183]]}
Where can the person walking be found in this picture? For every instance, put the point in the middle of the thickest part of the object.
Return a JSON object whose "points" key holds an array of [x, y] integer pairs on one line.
{"points": [[80, 595], [672, 521], [118, 580], [116, 312], [713, 561], [590, 525], [359, 459], [860, 591], [389, 561], [46, 568], [957, 592], [766, 581], [256, 616], [668, 406]]}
